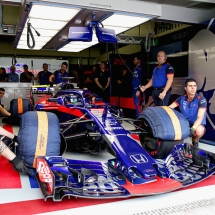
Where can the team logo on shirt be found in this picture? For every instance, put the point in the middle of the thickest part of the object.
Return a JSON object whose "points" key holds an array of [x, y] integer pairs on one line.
{"points": [[184, 105], [203, 101], [135, 74]]}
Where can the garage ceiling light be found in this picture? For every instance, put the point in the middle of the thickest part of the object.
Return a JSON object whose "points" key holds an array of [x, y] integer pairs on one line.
{"points": [[120, 22], [117, 29], [47, 20], [124, 20], [79, 46]]}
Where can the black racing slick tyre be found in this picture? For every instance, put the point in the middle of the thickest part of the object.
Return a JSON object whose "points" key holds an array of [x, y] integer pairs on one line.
{"points": [[158, 149]]}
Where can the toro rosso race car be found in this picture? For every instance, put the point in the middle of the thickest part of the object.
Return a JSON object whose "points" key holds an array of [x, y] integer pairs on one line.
{"points": [[133, 171], [89, 124]]}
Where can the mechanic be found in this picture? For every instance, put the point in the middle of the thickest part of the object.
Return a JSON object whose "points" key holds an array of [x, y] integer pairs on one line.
{"points": [[44, 75], [136, 81], [161, 81], [193, 106], [26, 76], [13, 76], [102, 80], [3, 75], [5, 144], [2, 110], [56, 76]]}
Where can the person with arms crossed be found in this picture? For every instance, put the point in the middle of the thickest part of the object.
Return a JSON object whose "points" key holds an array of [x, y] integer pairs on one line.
{"points": [[13, 76], [161, 81], [193, 107], [58, 74]]}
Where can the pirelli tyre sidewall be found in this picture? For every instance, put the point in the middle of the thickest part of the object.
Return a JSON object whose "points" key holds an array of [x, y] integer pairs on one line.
{"points": [[157, 148]]}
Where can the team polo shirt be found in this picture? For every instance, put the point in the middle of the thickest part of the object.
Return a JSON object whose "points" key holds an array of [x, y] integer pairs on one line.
{"points": [[58, 74], [136, 80], [160, 73], [103, 77], [44, 77], [190, 109]]}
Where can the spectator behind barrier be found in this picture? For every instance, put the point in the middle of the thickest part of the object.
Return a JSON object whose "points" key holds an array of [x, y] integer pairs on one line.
{"points": [[26, 76], [13, 76], [3, 75]]}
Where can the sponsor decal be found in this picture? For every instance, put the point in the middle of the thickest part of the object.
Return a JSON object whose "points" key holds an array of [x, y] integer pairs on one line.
{"points": [[139, 158], [119, 61], [42, 90], [117, 128], [45, 174], [203, 101], [184, 105]]}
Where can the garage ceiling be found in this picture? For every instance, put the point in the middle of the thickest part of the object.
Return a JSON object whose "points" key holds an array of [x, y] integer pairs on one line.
{"points": [[13, 14], [207, 4]]}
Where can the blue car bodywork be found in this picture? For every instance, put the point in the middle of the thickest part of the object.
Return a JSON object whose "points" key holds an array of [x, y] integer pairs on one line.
{"points": [[132, 172]]}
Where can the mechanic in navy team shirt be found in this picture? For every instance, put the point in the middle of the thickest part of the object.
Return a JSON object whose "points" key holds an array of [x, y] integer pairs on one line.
{"points": [[136, 82], [44, 75], [193, 106], [56, 76], [161, 81]]}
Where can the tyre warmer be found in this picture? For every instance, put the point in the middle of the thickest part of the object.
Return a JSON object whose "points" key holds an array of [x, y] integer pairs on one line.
{"points": [[39, 135], [166, 123]]}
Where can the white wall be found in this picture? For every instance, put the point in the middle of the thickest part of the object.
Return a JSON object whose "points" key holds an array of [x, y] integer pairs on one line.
{"points": [[202, 69]]}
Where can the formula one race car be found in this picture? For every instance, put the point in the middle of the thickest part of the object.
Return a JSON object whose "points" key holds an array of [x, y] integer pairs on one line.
{"points": [[133, 171]]}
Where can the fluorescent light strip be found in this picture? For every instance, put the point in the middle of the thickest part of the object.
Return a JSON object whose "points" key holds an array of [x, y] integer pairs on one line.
{"points": [[46, 24], [124, 21], [26, 47], [24, 43], [70, 50], [77, 46], [53, 12], [43, 32], [47, 20], [117, 29], [38, 39]]}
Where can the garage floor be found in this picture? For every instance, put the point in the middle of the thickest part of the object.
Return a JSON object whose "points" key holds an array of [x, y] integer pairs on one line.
{"points": [[21, 195]]}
